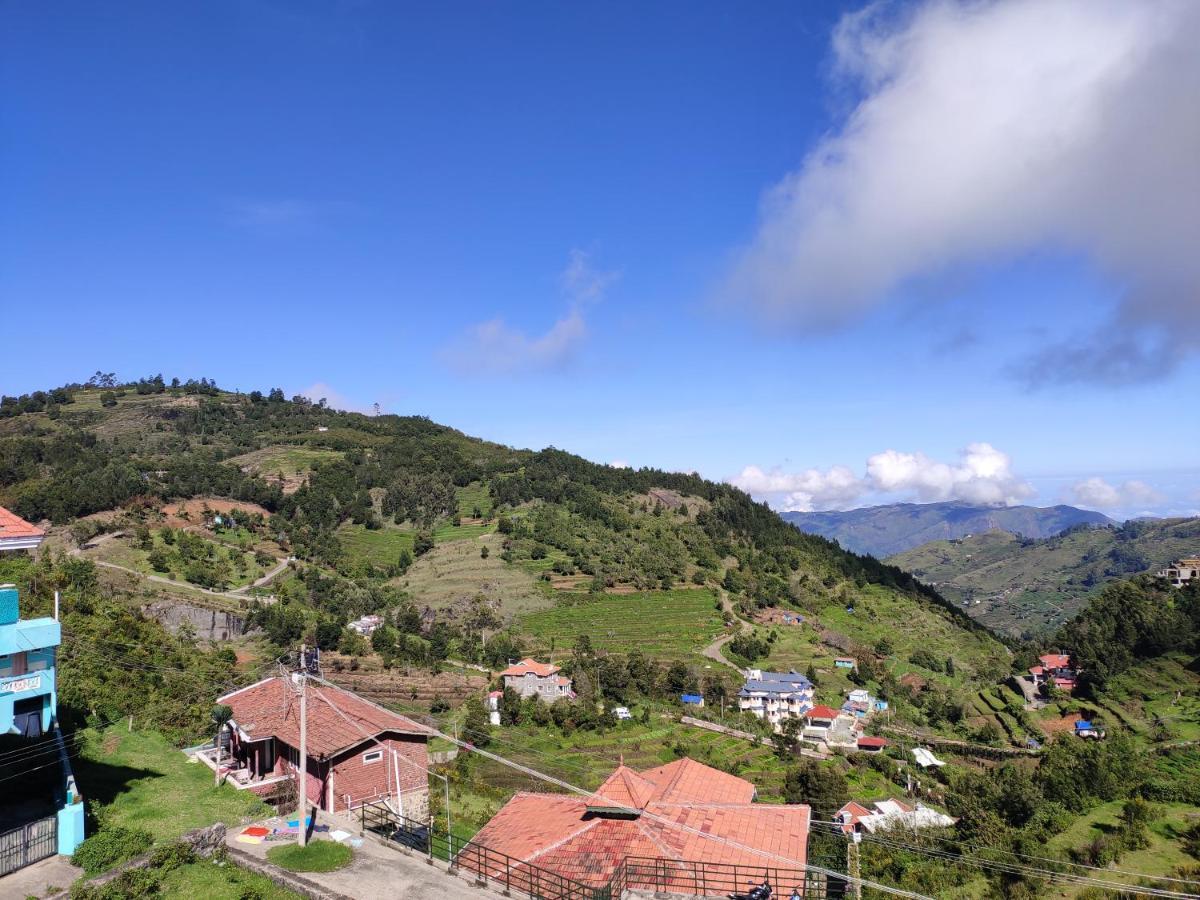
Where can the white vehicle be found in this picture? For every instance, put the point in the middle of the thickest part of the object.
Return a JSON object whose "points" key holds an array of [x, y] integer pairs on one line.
{"points": [[622, 713]]}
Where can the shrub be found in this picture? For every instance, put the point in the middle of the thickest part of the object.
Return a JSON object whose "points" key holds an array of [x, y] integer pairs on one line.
{"points": [[110, 846]]}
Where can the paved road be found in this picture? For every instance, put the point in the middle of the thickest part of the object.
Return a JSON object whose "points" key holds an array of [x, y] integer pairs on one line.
{"points": [[713, 650], [378, 872]]}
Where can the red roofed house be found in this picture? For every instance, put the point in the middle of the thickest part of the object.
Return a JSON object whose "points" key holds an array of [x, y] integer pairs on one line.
{"points": [[817, 722], [1055, 669], [530, 678], [683, 811], [871, 744], [17, 534], [358, 752]]}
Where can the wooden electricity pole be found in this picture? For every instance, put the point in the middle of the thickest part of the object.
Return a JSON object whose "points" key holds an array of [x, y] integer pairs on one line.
{"points": [[303, 753]]}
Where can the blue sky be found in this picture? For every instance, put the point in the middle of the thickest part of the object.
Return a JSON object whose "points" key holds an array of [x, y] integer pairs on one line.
{"points": [[689, 235]]}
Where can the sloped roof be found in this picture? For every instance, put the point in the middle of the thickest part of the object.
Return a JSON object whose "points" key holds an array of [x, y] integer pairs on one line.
{"points": [[687, 781], [821, 712], [693, 815], [1056, 660], [337, 719], [16, 533], [542, 670], [624, 787]]}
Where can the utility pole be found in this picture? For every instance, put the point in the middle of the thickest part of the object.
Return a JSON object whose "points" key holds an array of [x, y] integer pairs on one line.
{"points": [[303, 752]]}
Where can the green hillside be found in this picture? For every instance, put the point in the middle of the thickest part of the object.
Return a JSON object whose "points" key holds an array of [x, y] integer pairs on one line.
{"points": [[1028, 587]]}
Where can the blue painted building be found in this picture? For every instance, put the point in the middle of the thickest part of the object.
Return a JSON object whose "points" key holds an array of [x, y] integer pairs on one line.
{"points": [[29, 709]]}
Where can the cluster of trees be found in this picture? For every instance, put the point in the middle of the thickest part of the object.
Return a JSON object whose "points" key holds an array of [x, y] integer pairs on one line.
{"points": [[1127, 623]]}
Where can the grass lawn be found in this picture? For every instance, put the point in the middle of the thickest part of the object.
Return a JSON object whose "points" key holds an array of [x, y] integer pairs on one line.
{"points": [[380, 547], [662, 624], [318, 856], [138, 780], [451, 532], [283, 461], [213, 881]]}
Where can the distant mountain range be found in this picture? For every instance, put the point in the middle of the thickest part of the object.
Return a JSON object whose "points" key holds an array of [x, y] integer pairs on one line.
{"points": [[886, 530], [1029, 587]]}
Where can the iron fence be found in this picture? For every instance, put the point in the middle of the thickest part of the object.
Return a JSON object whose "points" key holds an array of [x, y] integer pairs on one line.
{"points": [[634, 873], [25, 845]]}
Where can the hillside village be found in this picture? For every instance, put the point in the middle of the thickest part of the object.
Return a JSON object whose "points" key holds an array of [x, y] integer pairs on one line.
{"points": [[415, 644]]}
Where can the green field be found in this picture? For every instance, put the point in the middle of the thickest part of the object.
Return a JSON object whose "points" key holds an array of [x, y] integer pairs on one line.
{"points": [[452, 532], [472, 496], [380, 546], [454, 573], [122, 552], [284, 461], [662, 624]]}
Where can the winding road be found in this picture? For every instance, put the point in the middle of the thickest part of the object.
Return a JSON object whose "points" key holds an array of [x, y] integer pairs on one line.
{"points": [[713, 650]]}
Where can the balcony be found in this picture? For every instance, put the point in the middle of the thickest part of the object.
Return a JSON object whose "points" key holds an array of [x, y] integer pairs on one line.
{"points": [[27, 684]]}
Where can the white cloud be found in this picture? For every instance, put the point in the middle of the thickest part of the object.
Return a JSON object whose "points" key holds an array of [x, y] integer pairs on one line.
{"points": [[982, 474], [805, 491], [619, 464], [988, 129], [1097, 493], [495, 347]]}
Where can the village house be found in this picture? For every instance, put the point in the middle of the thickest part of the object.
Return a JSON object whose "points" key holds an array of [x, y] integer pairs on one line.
{"points": [[366, 625], [775, 696], [44, 815], [1054, 669], [871, 744], [817, 722], [1181, 572], [358, 752], [845, 662], [859, 703], [855, 818], [632, 815], [530, 678]]}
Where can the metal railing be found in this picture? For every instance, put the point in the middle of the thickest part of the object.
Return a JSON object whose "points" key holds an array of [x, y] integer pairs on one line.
{"points": [[651, 874]]}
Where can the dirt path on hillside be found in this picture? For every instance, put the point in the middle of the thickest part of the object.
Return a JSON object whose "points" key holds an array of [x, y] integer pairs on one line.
{"points": [[280, 565], [713, 650]]}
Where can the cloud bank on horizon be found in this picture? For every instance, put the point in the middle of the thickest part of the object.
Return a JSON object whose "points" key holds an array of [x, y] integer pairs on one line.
{"points": [[986, 131]]}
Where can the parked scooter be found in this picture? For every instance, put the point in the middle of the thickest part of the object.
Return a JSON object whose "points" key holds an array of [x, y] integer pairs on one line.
{"points": [[756, 892]]}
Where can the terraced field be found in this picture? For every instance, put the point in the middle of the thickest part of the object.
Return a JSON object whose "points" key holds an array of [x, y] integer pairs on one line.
{"points": [[379, 547], [663, 624]]}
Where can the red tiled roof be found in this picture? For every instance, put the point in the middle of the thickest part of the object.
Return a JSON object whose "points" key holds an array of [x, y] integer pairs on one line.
{"points": [[271, 708], [872, 742], [821, 712], [687, 781], [1036, 670], [14, 529], [542, 670], [624, 787], [560, 832], [1056, 661]]}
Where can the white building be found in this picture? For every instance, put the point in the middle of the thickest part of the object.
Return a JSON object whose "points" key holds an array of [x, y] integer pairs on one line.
{"points": [[1181, 572], [775, 696], [366, 625]]}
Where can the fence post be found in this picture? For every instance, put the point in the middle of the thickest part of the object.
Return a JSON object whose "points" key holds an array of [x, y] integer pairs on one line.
{"points": [[429, 841]]}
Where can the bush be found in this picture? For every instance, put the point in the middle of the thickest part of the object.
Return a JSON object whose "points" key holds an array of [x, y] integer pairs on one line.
{"points": [[110, 846], [131, 885]]}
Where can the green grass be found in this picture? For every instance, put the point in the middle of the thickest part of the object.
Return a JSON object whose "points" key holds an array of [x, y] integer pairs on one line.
{"points": [[471, 496], [451, 532], [663, 624], [122, 552], [138, 780], [380, 547], [318, 856], [283, 461], [211, 881]]}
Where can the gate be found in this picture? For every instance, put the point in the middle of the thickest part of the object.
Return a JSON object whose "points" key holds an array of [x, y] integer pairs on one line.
{"points": [[27, 844]]}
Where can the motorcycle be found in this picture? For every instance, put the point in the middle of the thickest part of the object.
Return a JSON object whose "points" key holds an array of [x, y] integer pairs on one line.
{"points": [[756, 892]]}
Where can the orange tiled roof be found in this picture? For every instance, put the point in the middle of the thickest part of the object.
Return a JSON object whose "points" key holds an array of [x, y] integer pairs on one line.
{"points": [[542, 670], [687, 781], [1056, 661], [15, 529], [271, 708], [561, 833], [624, 787]]}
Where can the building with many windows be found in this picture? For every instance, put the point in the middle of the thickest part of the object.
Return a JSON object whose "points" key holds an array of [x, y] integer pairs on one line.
{"points": [[775, 696]]}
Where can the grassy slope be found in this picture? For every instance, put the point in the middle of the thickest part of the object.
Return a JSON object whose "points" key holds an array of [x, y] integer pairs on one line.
{"points": [[1033, 586], [138, 780], [662, 624], [454, 573]]}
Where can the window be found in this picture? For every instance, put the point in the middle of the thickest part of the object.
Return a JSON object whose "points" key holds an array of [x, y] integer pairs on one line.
{"points": [[373, 757]]}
